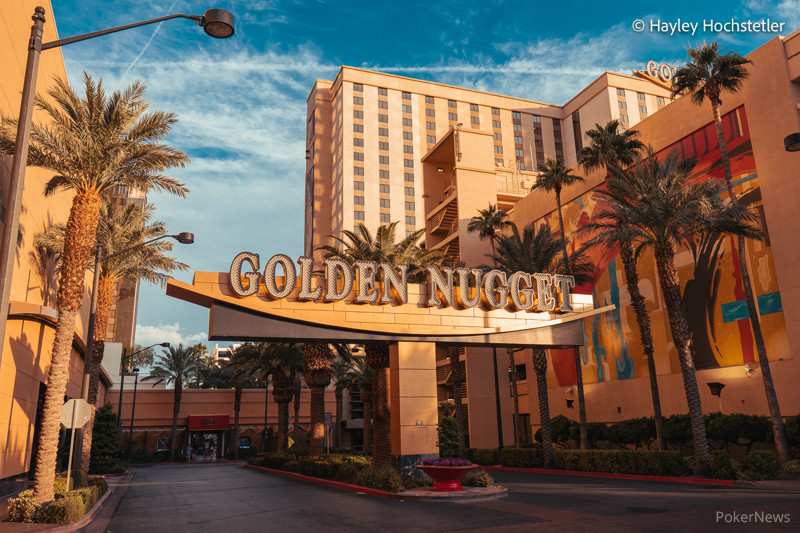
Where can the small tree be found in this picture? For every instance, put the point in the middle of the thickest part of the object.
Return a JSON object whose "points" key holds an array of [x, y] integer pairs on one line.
{"points": [[104, 442], [448, 437]]}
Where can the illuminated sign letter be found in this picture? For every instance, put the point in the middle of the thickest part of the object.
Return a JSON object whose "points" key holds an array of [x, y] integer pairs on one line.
{"points": [[236, 274], [393, 280], [490, 286], [464, 297], [289, 278], [564, 283], [437, 283], [544, 290], [516, 293], [367, 293], [332, 267], [306, 269]]}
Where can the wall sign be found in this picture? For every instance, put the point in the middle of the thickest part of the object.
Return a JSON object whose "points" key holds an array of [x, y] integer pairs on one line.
{"points": [[375, 282], [663, 71]]}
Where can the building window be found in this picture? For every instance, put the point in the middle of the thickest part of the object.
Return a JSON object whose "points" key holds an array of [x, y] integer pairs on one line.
{"points": [[498, 149], [383, 160], [640, 96], [473, 107], [383, 174], [429, 99], [382, 145], [495, 112], [516, 114], [498, 162], [358, 185], [498, 136], [408, 163], [538, 143], [521, 165], [384, 189], [660, 100], [408, 149], [474, 120], [643, 109], [452, 103], [431, 139], [385, 201], [407, 122], [358, 114], [383, 104], [411, 221], [410, 206], [358, 156], [622, 105], [358, 215], [358, 142], [409, 191], [517, 140], [430, 125], [452, 116], [430, 112], [409, 177], [517, 127], [358, 171], [357, 87], [519, 153], [358, 200], [406, 108], [383, 118], [357, 100], [406, 96], [383, 132], [537, 119], [408, 135], [620, 92], [496, 124], [382, 91], [385, 218], [559, 147]]}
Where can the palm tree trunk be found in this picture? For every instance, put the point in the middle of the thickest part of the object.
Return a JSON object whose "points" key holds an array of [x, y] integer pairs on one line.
{"points": [[283, 426], [337, 434], [266, 415], [378, 359], [176, 409], [79, 239], [298, 389], [237, 406], [540, 367], [367, 421], [778, 429], [513, 368], [643, 320], [458, 381], [317, 445], [563, 233], [670, 286]]}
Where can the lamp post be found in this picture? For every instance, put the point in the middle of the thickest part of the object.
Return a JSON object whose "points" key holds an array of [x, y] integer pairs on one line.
{"points": [[122, 385], [217, 23], [133, 412]]}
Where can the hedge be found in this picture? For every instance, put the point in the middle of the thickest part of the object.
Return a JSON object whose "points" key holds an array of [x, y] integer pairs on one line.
{"points": [[641, 462], [67, 507]]}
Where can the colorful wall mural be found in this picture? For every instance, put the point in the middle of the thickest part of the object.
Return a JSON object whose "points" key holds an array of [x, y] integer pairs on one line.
{"points": [[712, 286]]}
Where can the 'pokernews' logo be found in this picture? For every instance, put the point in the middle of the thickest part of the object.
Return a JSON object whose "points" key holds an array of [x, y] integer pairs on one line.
{"points": [[382, 282]]}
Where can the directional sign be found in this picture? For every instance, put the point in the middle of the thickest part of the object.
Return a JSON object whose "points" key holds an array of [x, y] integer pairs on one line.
{"points": [[328, 419], [75, 413]]}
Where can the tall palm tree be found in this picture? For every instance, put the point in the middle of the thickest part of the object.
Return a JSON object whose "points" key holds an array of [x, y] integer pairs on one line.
{"points": [[359, 376], [613, 147], [488, 222], [655, 205], [554, 176], [92, 144], [457, 377], [117, 230], [317, 359], [377, 357], [538, 251], [285, 361], [708, 75], [239, 367], [175, 366], [339, 370]]}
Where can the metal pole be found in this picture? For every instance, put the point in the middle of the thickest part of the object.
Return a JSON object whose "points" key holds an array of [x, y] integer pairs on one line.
{"points": [[133, 412], [119, 410], [71, 443], [8, 246], [497, 399]]}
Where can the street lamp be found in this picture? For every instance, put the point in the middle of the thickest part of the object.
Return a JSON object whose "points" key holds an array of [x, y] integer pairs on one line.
{"points": [[122, 385], [792, 142], [133, 412], [217, 23]]}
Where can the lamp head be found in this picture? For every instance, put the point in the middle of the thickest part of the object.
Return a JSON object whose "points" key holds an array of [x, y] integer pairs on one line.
{"points": [[164, 344], [792, 142], [218, 23], [570, 401], [716, 388], [185, 237]]}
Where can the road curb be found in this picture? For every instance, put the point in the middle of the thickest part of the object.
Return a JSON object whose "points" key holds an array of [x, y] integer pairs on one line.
{"points": [[320, 481], [86, 518], [664, 479]]}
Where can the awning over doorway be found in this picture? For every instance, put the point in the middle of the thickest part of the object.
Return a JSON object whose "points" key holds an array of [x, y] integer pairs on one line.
{"points": [[207, 422]]}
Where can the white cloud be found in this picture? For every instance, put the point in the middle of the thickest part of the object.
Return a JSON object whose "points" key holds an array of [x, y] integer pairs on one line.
{"points": [[171, 333]]}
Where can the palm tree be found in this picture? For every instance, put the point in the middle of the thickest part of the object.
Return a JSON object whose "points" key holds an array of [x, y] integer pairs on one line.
{"points": [[654, 205], [538, 251], [117, 230], [457, 377], [359, 376], [92, 145], [377, 357], [176, 366], [317, 359], [238, 366], [339, 370], [613, 147], [708, 75], [488, 222]]}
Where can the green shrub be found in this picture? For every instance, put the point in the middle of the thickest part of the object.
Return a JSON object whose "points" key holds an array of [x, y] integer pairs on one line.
{"points": [[292, 466], [641, 462], [638, 432], [383, 478], [791, 468], [522, 457], [348, 472], [678, 430], [108, 466], [448, 437], [738, 428], [792, 426], [60, 486], [595, 431], [485, 456], [760, 466], [722, 466], [105, 443], [276, 462], [23, 508], [63, 510], [100, 482], [560, 426], [477, 478], [421, 479]]}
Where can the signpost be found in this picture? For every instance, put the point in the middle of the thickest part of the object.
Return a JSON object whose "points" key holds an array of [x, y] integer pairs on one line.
{"points": [[74, 414], [328, 424]]}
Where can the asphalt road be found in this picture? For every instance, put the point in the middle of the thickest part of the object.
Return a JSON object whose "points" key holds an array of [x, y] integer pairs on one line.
{"points": [[227, 497]]}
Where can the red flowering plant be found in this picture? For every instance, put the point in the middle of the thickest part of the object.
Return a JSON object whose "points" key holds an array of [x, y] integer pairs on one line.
{"points": [[446, 462]]}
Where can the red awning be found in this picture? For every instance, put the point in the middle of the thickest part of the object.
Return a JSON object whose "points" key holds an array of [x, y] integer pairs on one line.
{"points": [[203, 422]]}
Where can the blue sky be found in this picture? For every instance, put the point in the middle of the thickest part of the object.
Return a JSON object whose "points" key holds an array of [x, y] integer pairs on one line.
{"points": [[241, 101]]}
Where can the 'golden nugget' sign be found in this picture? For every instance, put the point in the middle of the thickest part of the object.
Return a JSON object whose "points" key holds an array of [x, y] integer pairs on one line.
{"points": [[382, 282]]}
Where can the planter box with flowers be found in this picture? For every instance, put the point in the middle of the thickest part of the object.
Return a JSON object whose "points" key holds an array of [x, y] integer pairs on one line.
{"points": [[446, 473]]}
